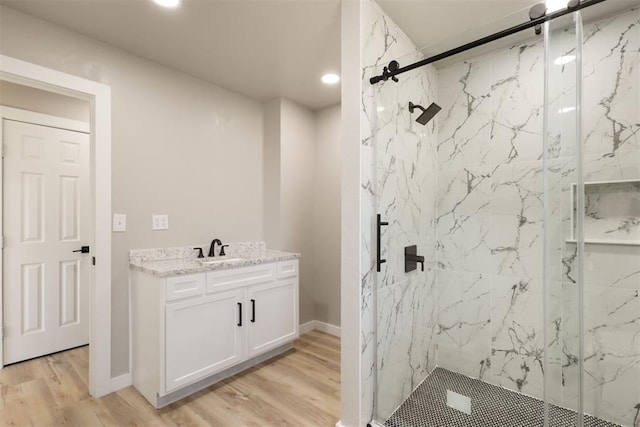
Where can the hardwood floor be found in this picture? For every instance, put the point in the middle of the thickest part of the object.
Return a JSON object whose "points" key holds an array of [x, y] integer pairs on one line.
{"points": [[299, 388]]}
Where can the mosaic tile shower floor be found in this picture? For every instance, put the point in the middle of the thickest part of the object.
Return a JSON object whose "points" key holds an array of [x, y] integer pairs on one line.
{"points": [[491, 406]]}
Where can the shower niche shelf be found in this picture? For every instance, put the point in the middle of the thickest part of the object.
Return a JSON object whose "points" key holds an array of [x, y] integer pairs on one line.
{"points": [[612, 212]]}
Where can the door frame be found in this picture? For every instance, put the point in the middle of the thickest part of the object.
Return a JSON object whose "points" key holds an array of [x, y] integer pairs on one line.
{"points": [[99, 96]]}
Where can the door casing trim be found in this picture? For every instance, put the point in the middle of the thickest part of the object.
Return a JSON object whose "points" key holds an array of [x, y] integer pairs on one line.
{"points": [[99, 97]]}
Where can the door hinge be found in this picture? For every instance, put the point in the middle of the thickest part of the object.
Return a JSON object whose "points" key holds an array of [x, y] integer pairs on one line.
{"points": [[1, 242], [2, 151], [93, 260]]}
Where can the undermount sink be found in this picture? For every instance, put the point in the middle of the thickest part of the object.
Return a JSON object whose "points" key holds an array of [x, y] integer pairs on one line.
{"points": [[218, 260]]}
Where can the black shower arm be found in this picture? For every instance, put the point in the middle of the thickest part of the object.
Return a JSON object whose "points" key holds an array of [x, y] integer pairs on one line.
{"points": [[413, 106]]}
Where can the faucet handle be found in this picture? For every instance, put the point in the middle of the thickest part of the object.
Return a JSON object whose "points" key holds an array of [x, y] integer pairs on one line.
{"points": [[200, 254], [222, 250]]}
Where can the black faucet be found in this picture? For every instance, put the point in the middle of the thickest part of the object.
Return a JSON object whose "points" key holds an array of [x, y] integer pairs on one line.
{"points": [[213, 247]]}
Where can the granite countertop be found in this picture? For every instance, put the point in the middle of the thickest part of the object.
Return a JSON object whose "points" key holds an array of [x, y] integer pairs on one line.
{"points": [[160, 264]]}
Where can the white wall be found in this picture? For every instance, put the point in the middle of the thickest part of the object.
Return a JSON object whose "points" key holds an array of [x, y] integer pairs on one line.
{"points": [[298, 133], [40, 101], [180, 146], [326, 217], [302, 200], [271, 172]]}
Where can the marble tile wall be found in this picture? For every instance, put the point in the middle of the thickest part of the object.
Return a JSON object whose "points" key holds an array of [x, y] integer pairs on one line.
{"points": [[611, 132], [399, 176], [490, 223], [613, 211], [490, 218], [468, 189]]}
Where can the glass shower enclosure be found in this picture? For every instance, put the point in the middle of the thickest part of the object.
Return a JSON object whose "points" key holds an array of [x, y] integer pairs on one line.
{"points": [[522, 195]]}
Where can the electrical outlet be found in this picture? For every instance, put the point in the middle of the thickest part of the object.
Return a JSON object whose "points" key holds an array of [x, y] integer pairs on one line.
{"points": [[119, 223], [160, 222]]}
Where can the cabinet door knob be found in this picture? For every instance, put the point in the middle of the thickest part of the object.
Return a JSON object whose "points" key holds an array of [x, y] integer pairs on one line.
{"points": [[253, 311], [239, 314]]}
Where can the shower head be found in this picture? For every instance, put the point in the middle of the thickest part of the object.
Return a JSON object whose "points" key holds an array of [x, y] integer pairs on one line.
{"points": [[427, 113]]}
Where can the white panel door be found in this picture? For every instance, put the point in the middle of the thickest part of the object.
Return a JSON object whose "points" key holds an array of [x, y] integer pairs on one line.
{"points": [[273, 315], [46, 217], [204, 335]]}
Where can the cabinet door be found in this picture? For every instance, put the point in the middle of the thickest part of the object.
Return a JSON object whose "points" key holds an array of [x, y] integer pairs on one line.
{"points": [[203, 337], [272, 313]]}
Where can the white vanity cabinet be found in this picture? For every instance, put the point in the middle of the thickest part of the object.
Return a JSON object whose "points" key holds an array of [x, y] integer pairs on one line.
{"points": [[202, 338], [190, 331], [271, 323]]}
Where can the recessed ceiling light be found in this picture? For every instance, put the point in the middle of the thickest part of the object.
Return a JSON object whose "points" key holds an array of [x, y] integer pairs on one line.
{"points": [[561, 60], [330, 79], [167, 3]]}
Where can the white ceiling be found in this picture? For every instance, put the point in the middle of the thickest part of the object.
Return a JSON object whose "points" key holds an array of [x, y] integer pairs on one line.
{"points": [[274, 48], [260, 48]]}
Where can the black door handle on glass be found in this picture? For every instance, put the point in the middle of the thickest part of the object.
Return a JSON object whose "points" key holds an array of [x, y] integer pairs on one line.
{"points": [[380, 224], [83, 250], [240, 314], [253, 311]]}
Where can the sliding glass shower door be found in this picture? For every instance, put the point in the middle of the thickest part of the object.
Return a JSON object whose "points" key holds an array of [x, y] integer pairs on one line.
{"points": [[563, 222], [522, 195]]}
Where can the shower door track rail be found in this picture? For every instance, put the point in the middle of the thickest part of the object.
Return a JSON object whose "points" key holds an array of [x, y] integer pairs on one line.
{"points": [[393, 68]]}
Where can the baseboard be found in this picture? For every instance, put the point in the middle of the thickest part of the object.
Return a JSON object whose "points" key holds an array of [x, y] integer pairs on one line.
{"points": [[328, 328], [307, 327], [120, 382], [320, 326]]}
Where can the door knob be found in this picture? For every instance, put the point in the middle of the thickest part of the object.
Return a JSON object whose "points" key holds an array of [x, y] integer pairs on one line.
{"points": [[83, 250]]}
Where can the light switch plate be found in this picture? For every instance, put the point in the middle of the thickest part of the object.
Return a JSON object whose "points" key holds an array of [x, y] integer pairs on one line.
{"points": [[160, 222], [119, 223]]}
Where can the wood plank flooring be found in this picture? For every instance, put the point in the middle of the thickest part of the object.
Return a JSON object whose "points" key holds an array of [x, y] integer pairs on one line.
{"points": [[299, 388]]}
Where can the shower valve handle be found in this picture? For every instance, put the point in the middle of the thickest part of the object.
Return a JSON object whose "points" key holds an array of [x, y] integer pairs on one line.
{"points": [[411, 259]]}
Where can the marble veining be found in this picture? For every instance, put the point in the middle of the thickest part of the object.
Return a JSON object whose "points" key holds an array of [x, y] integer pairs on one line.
{"points": [[399, 181], [490, 223], [469, 190], [612, 211], [237, 249], [165, 262], [611, 65]]}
